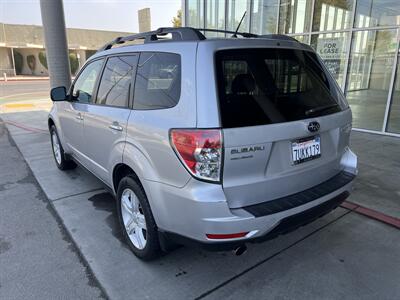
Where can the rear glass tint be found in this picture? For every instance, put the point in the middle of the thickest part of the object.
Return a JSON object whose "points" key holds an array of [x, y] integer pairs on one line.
{"points": [[267, 86]]}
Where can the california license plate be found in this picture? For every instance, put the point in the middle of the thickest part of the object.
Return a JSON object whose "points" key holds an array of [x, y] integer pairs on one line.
{"points": [[306, 149]]}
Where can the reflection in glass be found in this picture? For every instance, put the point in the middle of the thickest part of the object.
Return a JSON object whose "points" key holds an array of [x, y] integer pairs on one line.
{"points": [[295, 16], [215, 17], [331, 47], [394, 115], [264, 16], [236, 9], [332, 15], [195, 16], [371, 13], [369, 74]]}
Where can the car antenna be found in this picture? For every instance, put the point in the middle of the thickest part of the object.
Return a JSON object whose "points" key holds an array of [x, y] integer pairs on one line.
{"points": [[237, 28]]}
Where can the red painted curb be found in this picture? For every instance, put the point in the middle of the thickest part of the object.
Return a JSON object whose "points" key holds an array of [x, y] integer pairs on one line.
{"points": [[373, 214], [27, 128]]}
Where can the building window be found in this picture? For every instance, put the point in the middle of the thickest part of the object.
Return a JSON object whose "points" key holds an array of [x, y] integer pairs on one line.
{"points": [[236, 9], [394, 115], [295, 16], [369, 75], [215, 17], [195, 16], [332, 15], [332, 48], [302, 38], [371, 13], [264, 16]]}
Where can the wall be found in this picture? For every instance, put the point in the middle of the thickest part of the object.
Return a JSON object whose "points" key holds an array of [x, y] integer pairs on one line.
{"points": [[5, 62], [39, 70]]}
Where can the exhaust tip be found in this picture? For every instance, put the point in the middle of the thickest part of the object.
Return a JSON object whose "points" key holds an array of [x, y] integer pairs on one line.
{"points": [[240, 250]]}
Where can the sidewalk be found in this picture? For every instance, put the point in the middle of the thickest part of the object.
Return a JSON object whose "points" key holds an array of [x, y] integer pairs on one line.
{"points": [[26, 78], [378, 182], [23, 78], [343, 255]]}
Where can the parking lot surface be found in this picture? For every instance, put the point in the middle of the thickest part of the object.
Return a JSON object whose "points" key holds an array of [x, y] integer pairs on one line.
{"points": [[343, 255], [38, 260]]}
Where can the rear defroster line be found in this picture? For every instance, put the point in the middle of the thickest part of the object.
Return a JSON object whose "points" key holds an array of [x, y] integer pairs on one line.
{"points": [[25, 127], [372, 214]]}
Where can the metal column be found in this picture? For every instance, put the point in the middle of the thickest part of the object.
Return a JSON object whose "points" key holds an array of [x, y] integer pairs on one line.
{"points": [[56, 42]]}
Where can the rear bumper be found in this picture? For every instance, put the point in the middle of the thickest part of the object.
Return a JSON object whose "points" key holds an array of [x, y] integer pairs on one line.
{"points": [[284, 226], [188, 214]]}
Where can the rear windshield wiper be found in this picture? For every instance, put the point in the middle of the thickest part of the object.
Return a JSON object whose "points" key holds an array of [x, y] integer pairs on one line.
{"points": [[321, 108]]}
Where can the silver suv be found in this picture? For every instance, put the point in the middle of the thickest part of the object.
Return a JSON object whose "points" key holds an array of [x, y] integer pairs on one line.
{"points": [[217, 142]]}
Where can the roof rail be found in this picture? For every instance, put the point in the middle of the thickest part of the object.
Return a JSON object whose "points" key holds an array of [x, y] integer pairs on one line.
{"points": [[278, 37], [243, 34], [253, 35], [186, 34], [178, 34]]}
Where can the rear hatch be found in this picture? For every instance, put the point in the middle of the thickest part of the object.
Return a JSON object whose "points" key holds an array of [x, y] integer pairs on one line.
{"points": [[283, 118]]}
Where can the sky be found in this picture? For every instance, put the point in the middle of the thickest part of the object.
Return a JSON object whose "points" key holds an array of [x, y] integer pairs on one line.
{"points": [[113, 15]]}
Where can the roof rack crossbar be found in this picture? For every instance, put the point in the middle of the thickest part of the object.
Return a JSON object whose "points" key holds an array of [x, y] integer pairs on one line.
{"points": [[177, 33]]}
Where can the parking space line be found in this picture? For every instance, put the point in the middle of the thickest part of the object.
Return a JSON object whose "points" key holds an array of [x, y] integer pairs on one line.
{"points": [[372, 214], [207, 293]]}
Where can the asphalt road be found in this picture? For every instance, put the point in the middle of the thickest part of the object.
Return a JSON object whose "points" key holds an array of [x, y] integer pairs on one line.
{"points": [[37, 258], [12, 91]]}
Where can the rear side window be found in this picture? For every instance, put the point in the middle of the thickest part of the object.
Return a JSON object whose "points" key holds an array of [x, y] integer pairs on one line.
{"points": [[266, 86], [158, 81], [116, 81]]}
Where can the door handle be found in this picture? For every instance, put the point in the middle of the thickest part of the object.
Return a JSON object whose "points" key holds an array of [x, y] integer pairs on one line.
{"points": [[79, 116], [115, 126]]}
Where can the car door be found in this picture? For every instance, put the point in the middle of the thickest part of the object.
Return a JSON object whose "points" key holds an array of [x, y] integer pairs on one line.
{"points": [[106, 118], [73, 112]]}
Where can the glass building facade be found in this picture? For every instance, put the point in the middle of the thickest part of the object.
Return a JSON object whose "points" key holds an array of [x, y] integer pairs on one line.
{"points": [[357, 39]]}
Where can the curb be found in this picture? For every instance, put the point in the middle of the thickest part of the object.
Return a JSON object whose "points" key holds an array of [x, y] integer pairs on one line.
{"points": [[372, 214]]}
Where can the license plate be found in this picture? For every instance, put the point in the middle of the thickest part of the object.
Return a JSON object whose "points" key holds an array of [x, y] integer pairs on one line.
{"points": [[306, 149]]}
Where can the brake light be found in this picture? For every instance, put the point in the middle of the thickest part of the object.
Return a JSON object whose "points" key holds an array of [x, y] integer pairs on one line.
{"points": [[200, 151]]}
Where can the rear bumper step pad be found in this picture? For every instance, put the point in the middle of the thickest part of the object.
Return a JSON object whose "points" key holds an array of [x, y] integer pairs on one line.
{"points": [[301, 198]]}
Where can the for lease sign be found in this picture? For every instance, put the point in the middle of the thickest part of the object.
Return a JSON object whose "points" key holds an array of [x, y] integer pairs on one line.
{"points": [[330, 48]]}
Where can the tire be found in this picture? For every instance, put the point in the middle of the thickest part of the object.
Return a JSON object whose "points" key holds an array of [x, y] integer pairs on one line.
{"points": [[62, 162], [133, 208]]}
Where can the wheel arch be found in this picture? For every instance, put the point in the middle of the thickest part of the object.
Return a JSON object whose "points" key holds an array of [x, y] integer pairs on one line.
{"points": [[120, 171]]}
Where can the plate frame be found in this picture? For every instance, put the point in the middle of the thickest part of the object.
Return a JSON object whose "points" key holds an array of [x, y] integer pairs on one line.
{"points": [[304, 139]]}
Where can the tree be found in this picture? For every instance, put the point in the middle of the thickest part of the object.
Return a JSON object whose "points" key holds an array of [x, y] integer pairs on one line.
{"points": [[177, 21]]}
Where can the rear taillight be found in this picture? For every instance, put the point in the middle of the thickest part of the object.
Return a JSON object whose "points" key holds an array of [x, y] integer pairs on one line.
{"points": [[200, 151]]}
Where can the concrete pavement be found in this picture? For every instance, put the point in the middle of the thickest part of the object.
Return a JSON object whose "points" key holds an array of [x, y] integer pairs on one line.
{"points": [[342, 255], [37, 257]]}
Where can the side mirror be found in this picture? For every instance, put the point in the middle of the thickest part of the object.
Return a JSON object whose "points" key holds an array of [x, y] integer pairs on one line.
{"points": [[58, 93]]}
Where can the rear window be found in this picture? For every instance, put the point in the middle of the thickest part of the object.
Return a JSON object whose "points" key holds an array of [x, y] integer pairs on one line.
{"points": [[267, 86]]}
